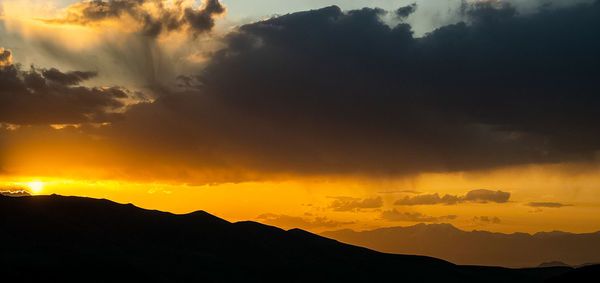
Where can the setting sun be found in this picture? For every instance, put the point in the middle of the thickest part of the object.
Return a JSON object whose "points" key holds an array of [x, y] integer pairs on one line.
{"points": [[35, 187]]}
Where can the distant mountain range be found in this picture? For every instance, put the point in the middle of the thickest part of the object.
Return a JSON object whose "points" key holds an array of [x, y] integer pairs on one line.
{"points": [[479, 247], [62, 239]]}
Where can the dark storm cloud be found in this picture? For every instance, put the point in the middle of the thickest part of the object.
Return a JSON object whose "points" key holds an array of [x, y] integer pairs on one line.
{"points": [[355, 204], [547, 204], [480, 196], [405, 11], [52, 97], [332, 92], [202, 20], [395, 215], [328, 91], [161, 18]]}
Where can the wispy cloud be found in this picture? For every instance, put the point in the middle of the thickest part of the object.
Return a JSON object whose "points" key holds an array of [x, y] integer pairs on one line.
{"points": [[395, 215], [355, 204], [548, 204], [478, 196], [287, 221]]}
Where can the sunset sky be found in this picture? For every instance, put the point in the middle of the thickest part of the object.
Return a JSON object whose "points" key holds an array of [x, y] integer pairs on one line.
{"points": [[315, 114]]}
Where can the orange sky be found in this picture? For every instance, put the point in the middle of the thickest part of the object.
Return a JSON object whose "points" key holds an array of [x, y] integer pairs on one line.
{"points": [[307, 202]]}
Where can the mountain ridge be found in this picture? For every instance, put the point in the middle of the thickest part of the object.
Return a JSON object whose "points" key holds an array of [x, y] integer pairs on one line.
{"points": [[82, 239], [478, 247]]}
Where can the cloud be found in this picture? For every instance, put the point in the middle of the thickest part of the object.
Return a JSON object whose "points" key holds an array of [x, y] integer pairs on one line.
{"points": [[327, 92], [355, 204], [5, 57], [14, 191], [40, 96], [152, 17], [484, 196], [487, 219], [548, 204], [288, 222], [427, 199], [344, 93], [405, 11], [70, 78], [480, 196], [395, 215]]}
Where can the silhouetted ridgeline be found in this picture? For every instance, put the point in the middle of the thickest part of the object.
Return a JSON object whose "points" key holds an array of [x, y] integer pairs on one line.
{"points": [[479, 247], [51, 238]]}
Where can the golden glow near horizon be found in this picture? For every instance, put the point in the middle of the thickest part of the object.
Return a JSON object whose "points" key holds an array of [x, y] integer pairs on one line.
{"points": [[308, 203], [36, 187]]}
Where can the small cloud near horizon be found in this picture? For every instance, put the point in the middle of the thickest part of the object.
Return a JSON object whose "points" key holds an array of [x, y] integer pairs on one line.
{"points": [[487, 219], [14, 191], [548, 204], [288, 222], [477, 196], [355, 204], [395, 215]]}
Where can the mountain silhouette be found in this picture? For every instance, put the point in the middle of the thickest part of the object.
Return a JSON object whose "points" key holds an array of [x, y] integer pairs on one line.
{"points": [[478, 247], [56, 238]]}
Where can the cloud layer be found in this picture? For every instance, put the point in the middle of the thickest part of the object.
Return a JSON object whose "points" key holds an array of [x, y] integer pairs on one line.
{"points": [[479, 196], [343, 93], [333, 92], [152, 17]]}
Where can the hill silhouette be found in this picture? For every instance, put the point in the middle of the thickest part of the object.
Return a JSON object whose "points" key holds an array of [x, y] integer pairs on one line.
{"points": [[56, 238], [479, 247]]}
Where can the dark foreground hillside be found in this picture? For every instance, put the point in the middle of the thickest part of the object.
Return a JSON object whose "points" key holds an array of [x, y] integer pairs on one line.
{"points": [[55, 238]]}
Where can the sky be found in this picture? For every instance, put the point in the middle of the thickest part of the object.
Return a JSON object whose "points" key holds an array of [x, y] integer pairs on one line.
{"points": [[322, 115]]}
